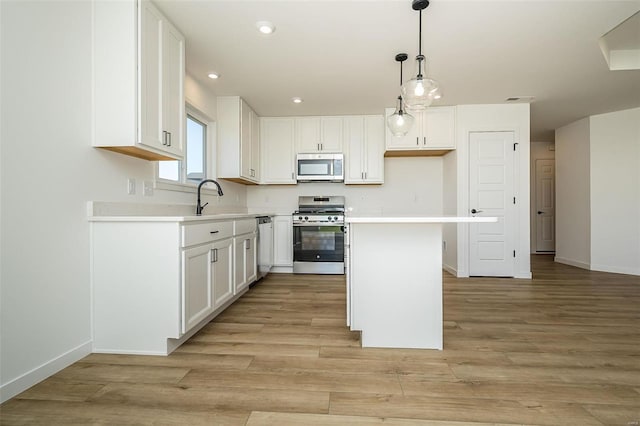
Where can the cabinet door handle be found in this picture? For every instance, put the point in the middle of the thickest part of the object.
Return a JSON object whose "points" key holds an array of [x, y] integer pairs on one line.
{"points": [[425, 140], [365, 175], [169, 133], [417, 140], [248, 243], [214, 255], [164, 137], [213, 232]]}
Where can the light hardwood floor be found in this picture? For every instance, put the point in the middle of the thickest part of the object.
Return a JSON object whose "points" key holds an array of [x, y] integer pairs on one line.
{"points": [[561, 349]]}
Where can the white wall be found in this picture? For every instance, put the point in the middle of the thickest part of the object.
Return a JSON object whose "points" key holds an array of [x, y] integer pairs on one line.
{"points": [[498, 117], [615, 191], [412, 185], [49, 172], [573, 222], [539, 151]]}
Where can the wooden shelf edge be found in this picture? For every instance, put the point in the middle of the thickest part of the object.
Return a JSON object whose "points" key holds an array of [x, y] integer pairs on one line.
{"points": [[417, 153]]}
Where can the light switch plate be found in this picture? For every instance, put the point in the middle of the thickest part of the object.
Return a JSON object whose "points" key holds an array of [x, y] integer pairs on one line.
{"points": [[147, 188], [131, 186]]}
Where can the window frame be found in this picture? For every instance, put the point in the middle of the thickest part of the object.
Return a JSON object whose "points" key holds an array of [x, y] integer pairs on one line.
{"points": [[185, 185]]}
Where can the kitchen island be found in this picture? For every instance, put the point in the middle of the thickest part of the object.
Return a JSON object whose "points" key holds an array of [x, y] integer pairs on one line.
{"points": [[394, 279]]}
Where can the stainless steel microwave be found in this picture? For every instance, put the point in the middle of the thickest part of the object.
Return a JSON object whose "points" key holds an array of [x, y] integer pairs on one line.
{"points": [[320, 167]]}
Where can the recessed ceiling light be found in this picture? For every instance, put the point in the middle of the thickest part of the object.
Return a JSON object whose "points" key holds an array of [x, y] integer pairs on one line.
{"points": [[213, 75], [296, 100], [265, 27]]}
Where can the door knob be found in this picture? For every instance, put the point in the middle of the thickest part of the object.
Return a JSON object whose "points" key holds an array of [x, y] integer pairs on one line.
{"points": [[474, 211]]}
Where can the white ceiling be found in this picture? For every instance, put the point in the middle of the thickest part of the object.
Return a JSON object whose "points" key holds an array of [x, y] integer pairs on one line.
{"points": [[338, 55]]}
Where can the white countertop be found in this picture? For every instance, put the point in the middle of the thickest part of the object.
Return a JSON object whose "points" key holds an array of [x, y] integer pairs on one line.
{"points": [[418, 219], [194, 218], [100, 211]]}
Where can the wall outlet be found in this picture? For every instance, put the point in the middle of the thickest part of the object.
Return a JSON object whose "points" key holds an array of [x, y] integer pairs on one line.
{"points": [[147, 188], [131, 186]]}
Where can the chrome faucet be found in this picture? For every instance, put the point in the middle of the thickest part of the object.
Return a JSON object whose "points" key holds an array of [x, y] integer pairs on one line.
{"points": [[199, 206]]}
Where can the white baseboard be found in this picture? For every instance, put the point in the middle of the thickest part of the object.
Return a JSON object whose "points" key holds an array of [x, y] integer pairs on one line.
{"points": [[571, 262], [615, 269], [524, 275], [282, 269], [450, 269], [25, 381]]}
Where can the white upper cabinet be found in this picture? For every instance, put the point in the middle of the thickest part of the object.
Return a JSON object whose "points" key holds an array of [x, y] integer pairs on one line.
{"points": [[319, 134], [138, 80], [364, 149], [277, 150], [238, 141], [432, 133]]}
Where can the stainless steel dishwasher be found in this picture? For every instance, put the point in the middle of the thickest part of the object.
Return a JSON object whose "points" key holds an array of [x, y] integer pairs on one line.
{"points": [[265, 245]]}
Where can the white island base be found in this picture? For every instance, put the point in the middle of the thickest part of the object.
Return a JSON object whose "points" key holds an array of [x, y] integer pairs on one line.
{"points": [[394, 280]]}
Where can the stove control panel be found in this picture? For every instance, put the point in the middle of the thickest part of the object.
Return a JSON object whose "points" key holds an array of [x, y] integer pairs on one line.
{"points": [[318, 218]]}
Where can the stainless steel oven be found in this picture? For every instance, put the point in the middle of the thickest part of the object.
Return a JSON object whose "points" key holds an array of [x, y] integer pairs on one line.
{"points": [[318, 236]]}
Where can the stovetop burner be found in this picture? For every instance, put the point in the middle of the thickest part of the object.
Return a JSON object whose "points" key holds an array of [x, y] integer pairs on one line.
{"points": [[319, 209]]}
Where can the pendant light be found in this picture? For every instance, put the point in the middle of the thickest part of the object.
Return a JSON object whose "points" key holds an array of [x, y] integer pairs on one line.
{"points": [[400, 121], [419, 92]]}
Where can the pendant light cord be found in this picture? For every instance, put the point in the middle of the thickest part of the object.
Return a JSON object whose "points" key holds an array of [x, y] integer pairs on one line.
{"points": [[420, 35], [420, 57]]}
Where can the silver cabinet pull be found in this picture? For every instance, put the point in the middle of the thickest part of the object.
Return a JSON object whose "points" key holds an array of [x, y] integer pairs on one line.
{"points": [[169, 144], [215, 255], [425, 140], [248, 243], [417, 140], [164, 137]]}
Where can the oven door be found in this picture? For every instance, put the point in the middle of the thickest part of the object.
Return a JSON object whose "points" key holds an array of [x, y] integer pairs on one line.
{"points": [[318, 243]]}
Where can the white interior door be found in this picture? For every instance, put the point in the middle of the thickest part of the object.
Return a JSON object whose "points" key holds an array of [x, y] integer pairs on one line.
{"points": [[545, 206], [491, 193]]}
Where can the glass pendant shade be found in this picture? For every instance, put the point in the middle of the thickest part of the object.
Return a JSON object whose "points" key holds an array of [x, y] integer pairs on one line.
{"points": [[419, 92], [399, 122]]}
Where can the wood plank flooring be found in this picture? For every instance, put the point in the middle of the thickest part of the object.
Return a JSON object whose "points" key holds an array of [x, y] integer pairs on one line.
{"points": [[561, 349]]}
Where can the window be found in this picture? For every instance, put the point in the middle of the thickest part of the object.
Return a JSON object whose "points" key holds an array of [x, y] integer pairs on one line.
{"points": [[194, 167]]}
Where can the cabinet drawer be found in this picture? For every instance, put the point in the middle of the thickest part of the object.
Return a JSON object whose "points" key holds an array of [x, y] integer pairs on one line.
{"points": [[206, 232], [244, 226]]}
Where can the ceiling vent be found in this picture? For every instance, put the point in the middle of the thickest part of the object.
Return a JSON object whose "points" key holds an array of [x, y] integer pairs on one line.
{"points": [[520, 99]]}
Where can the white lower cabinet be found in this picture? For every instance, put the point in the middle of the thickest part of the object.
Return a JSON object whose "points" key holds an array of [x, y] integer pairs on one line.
{"points": [[283, 240], [197, 297], [207, 282], [171, 277], [245, 256], [222, 275], [245, 251]]}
